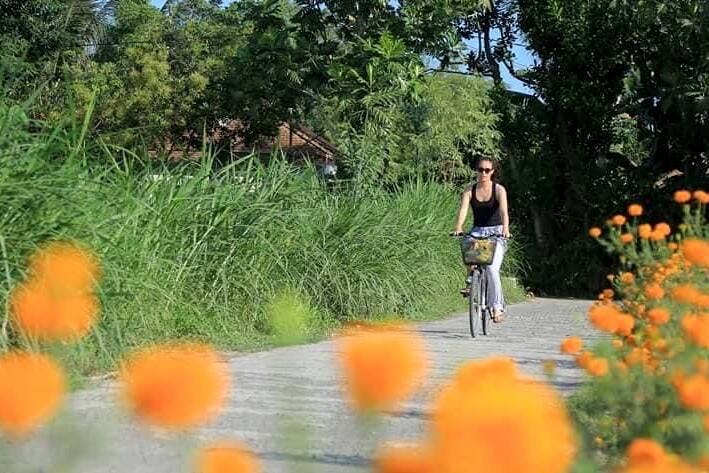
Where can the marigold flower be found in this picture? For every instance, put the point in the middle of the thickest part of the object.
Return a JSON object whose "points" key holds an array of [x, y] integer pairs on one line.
{"points": [[382, 367], [32, 387], [654, 291], [469, 419], [227, 457], [658, 315], [43, 313], [597, 367], [626, 238], [174, 386], [65, 265], [645, 451], [618, 220], [627, 278], [594, 232], [657, 235], [617, 344], [644, 231], [696, 251], [583, 359], [701, 197], [404, 459], [625, 324], [635, 210], [672, 246], [604, 317], [682, 196], [694, 392], [571, 345], [696, 327], [685, 293], [663, 228]]}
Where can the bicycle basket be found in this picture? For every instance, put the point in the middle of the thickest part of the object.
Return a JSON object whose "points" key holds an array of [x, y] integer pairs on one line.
{"points": [[477, 251]]}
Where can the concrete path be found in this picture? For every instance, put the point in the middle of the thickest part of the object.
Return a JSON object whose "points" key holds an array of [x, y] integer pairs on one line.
{"points": [[287, 406]]}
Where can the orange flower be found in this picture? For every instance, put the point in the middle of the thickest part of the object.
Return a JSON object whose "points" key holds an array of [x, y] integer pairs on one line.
{"points": [[594, 232], [696, 251], [701, 197], [685, 293], [627, 278], [658, 316], [46, 314], [644, 231], [470, 417], [663, 228], [654, 291], [617, 344], [31, 388], [645, 451], [227, 457], [597, 367], [618, 220], [174, 386], [705, 421], [403, 459], [583, 359], [626, 238], [696, 327], [604, 317], [65, 265], [694, 392], [571, 345], [672, 246], [625, 324], [382, 367], [635, 210], [682, 197]]}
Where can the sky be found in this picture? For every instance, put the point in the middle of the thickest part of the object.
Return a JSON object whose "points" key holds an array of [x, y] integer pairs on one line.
{"points": [[522, 60]]}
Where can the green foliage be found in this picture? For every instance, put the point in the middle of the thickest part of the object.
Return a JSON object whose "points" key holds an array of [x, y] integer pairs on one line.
{"points": [[189, 253]]}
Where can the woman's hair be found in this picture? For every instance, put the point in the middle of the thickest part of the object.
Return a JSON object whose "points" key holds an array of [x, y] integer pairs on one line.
{"points": [[495, 166]]}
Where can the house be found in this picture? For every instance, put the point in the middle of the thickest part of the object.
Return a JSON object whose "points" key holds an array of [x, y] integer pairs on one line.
{"points": [[297, 142]]}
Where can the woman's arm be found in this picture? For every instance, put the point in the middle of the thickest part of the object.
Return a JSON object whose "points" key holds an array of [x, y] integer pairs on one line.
{"points": [[502, 199], [463, 210]]}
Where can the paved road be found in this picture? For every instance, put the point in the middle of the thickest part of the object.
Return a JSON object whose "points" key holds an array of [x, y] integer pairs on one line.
{"points": [[286, 403]]}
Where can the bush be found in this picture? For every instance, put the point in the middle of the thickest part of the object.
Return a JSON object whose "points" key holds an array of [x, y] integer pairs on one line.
{"points": [[190, 252]]}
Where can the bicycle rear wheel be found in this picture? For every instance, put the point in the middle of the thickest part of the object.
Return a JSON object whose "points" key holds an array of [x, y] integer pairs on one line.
{"points": [[474, 303]]}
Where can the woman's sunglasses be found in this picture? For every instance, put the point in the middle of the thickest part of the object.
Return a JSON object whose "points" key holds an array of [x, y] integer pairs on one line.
{"points": [[485, 170]]}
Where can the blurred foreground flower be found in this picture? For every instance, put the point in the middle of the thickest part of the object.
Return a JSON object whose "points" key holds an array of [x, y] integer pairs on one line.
{"points": [[227, 457], [41, 313], [65, 265], [490, 419], [57, 301], [647, 456], [381, 366], [32, 387], [174, 386]]}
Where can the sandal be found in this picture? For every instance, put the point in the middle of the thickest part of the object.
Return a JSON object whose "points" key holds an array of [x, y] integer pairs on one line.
{"points": [[498, 317], [465, 292]]}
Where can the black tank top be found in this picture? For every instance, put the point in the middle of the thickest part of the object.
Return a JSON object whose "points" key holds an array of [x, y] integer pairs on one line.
{"points": [[486, 214]]}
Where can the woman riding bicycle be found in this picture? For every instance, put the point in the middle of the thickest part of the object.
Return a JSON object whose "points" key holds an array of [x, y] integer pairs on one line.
{"points": [[488, 199]]}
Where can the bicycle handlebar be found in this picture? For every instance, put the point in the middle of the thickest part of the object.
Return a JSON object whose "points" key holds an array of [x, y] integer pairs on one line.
{"points": [[463, 234]]}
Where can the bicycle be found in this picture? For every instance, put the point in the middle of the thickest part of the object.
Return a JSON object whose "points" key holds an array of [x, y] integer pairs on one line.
{"points": [[479, 313]]}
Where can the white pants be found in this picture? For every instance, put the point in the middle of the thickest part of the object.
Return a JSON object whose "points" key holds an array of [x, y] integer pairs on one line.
{"points": [[495, 298]]}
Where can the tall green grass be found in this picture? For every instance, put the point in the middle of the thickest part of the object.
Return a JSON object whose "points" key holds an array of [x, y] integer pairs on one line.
{"points": [[193, 252]]}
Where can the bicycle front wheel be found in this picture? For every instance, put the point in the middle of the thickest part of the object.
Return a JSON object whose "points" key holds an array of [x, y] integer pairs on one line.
{"points": [[485, 314], [475, 308]]}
